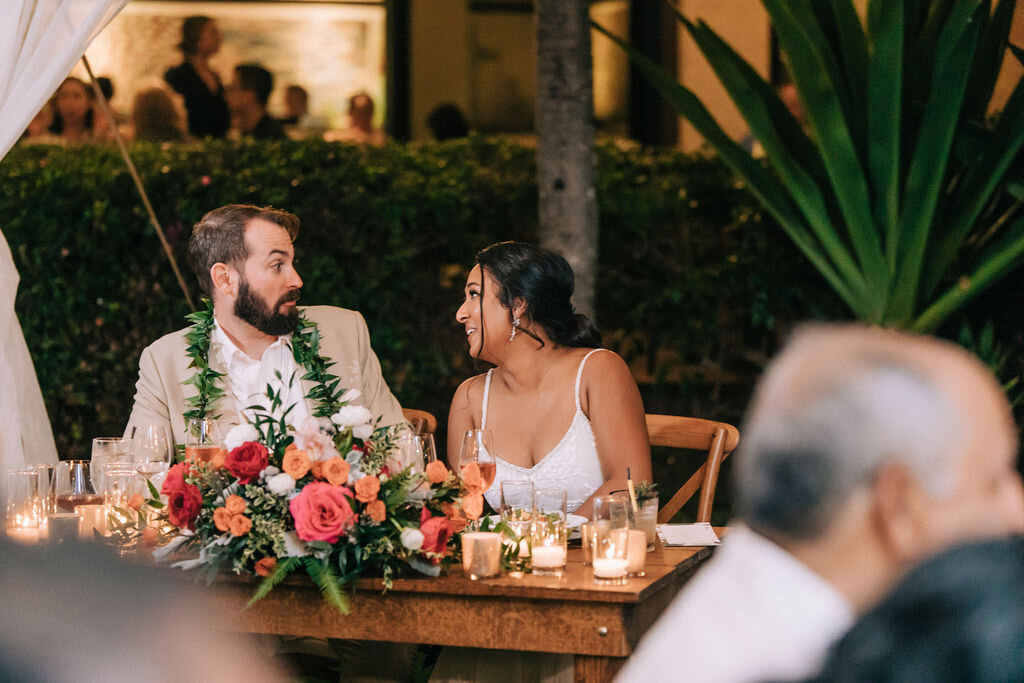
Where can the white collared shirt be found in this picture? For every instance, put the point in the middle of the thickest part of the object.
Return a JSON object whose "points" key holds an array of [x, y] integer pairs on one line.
{"points": [[754, 613], [247, 378]]}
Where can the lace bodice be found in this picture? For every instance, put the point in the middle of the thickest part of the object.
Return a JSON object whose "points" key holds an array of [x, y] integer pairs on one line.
{"points": [[572, 464]]}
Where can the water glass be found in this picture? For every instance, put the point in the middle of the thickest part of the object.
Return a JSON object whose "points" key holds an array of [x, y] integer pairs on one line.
{"points": [[587, 542], [549, 535], [611, 553], [23, 510], [417, 450], [106, 450], [517, 511], [48, 488], [74, 485], [481, 554], [613, 508], [478, 447]]}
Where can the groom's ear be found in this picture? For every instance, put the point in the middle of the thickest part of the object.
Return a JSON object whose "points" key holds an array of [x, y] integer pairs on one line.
{"points": [[225, 279]]}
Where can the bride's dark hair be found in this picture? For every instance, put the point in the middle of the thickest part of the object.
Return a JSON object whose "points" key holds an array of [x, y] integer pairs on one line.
{"points": [[543, 280]]}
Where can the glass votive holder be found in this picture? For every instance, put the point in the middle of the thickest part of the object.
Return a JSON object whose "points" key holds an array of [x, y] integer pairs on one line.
{"points": [[549, 535], [62, 527], [93, 520], [587, 541], [646, 519], [611, 558], [636, 554], [481, 554], [23, 511]]}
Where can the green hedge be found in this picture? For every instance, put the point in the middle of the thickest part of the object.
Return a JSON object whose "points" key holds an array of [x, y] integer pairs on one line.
{"points": [[693, 285]]}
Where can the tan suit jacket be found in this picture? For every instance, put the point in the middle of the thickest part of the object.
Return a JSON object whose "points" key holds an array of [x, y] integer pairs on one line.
{"points": [[160, 393]]}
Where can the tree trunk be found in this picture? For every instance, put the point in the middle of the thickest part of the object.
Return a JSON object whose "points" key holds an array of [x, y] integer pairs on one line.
{"points": [[565, 141]]}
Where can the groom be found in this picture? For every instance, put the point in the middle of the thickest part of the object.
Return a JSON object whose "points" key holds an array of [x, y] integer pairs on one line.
{"points": [[245, 262]]}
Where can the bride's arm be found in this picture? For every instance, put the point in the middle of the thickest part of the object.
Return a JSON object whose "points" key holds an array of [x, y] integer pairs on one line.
{"points": [[460, 418], [611, 400]]}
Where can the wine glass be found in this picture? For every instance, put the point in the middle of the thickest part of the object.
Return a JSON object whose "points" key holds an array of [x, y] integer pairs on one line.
{"points": [[203, 443], [417, 450], [478, 447], [74, 485], [107, 450], [152, 454]]}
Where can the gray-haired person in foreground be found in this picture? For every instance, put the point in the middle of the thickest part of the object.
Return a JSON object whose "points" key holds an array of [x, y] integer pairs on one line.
{"points": [[864, 452]]}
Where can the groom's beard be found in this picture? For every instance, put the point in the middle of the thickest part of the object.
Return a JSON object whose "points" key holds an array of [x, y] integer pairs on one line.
{"points": [[253, 310]]}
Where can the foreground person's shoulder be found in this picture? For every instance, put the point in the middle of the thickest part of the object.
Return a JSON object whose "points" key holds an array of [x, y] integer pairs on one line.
{"points": [[170, 342], [333, 316]]}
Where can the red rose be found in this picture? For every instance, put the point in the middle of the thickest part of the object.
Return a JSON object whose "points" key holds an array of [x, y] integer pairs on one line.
{"points": [[247, 461], [183, 499], [322, 512], [436, 532]]}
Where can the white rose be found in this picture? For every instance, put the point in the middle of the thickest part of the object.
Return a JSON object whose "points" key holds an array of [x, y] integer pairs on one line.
{"points": [[294, 546], [350, 416], [280, 484], [412, 538], [363, 432], [239, 435]]}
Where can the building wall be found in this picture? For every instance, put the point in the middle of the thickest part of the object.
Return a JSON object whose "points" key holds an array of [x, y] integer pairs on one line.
{"points": [[440, 54]]}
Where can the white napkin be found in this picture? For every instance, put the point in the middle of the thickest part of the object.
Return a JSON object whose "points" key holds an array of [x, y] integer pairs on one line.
{"points": [[687, 534]]}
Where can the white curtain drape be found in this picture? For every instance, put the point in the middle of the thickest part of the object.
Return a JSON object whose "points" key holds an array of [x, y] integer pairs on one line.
{"points": [[40, 41]]}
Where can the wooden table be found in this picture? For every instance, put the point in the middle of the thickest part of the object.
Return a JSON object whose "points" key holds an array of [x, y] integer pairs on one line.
{"points": [[600, 625]]}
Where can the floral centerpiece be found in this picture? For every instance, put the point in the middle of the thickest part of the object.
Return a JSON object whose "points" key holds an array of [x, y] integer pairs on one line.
{"points": [[335, 501]]}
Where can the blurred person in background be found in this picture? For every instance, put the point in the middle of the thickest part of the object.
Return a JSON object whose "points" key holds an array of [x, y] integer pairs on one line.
{"points": [[74, 116], [864, 452], [155, 117], [361, 129], [959, 616], [297, 120], [197, 82], [247, 97], [447, 122], [75, 613]]}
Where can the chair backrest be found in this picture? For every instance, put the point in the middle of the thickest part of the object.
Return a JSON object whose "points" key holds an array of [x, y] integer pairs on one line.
{"points": [[717, 438], [422, 422]]}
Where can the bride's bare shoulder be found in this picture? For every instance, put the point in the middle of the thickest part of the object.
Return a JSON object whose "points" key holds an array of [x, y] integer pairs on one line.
{"points": [[470, 390]]}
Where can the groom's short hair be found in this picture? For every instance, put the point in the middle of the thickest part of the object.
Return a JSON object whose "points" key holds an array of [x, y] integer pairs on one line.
{"points": [[219, 237]]}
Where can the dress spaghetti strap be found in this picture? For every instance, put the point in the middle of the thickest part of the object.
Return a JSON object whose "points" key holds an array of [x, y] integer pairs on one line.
{"points": [[579, 377], [487, 390]]}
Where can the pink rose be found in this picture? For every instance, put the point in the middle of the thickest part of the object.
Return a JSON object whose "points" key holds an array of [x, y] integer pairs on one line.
{"points": [[322, 512], [436, 532], [247, 461]]}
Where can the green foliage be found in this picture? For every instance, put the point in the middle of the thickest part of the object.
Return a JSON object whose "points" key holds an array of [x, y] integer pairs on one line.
{"points": [[689, 270], [899, 192]]}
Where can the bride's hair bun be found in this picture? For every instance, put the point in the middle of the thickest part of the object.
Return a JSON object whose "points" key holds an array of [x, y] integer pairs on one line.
{"points": [[544, 281]]}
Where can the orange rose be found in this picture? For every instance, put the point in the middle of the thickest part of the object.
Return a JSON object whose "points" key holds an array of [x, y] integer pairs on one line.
{"points": [[367, 489], [336, 472], [473, 504], [377, 511], [317, 469], [222, 519], [266, 566], [240, 525], [455, 515], [472, 478], [235, 504], [135, 502], [437, 472], [295, 463]]}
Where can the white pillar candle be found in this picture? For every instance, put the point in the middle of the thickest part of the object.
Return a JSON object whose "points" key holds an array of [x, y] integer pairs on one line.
{"points": [[547, 556], [637, 552], [481, 554], [610, 567], [23, 535], [94, 517]]}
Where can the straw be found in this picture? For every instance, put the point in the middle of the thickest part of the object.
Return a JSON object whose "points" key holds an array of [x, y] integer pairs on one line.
{"points": [[632, 491]]}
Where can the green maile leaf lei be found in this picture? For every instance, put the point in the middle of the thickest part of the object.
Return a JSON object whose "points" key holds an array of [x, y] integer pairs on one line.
{"points": [[305, 344]]}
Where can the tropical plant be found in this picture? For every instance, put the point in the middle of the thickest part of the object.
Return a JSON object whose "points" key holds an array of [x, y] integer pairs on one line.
{"points": [[901, 193]]}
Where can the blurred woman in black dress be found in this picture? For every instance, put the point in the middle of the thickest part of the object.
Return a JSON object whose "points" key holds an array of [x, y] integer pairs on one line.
{"points": [[200, 85]]}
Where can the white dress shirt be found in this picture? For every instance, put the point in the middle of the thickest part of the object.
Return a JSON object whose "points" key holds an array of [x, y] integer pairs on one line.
{"points": [[754, 613], [247, 378]]}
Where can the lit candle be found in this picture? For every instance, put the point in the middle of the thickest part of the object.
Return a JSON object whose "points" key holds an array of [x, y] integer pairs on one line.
{"points": [[637, 552], [23, 535], [548, 556], [610, 567], [94, 517]]}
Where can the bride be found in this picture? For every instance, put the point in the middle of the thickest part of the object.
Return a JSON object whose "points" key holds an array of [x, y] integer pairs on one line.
{"points": [[561, 411]]}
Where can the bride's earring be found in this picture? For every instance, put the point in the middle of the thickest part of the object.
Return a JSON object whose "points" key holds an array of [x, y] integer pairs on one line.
{"points": [[515, 328]]}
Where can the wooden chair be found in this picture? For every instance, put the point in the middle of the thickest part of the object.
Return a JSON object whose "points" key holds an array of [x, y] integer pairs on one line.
{"points": [[717, 438], [422, 422]]}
